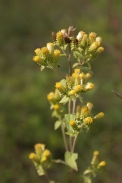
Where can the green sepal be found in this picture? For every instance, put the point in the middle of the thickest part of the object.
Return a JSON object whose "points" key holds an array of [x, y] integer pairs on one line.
{"points": [[57, 124], [39, 169], [64, 100], [42, 67], [70, 159]]}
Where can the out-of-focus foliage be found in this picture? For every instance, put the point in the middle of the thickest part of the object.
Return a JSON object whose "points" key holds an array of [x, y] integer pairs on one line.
{"points": [[24, 111]]}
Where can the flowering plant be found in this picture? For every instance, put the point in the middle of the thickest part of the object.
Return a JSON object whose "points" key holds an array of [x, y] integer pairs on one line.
{"points": [[66, 100]]}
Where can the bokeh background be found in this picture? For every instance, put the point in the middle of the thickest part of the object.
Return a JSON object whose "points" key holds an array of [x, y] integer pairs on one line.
{"points": [[25, 118]]}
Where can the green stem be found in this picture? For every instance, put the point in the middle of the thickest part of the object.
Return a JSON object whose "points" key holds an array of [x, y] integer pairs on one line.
{"points": [[64, 137], [74, 142]]}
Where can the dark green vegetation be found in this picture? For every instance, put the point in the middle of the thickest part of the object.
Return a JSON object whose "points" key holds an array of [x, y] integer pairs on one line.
{"points": [[25, 118]]}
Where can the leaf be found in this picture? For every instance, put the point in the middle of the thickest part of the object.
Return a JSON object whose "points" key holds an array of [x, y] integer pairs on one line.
{"points": [[57, 125], [70, 159], [64, 100]]}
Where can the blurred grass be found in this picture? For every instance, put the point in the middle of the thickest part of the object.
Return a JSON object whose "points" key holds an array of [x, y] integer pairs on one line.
{"points": [[25, 118]]}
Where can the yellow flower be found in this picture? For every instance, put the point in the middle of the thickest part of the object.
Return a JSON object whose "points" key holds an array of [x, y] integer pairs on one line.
{"points": [[96, 153], [77, 71], [56, 107], [56, 53], [92, 37], [36, 59], [46, 153], [101, 164], [60, 87], [44, 52], [74, 75], [94, 46], [43, 159], [72, 93], [89, 86], [32, 156], [39, 148], [100, 50], [37, 51], [50, 96], [50, 47], [82, 75], [84, 110], [88, 120], [59, 37], [72, 123], [99, 115], [78, 88]]}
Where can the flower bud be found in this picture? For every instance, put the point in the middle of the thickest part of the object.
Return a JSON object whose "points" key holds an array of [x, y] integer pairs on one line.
{"points": [[44, 52], [56, 107], [78, 88], [50, 47], [56, 53], [39, 148], [36, 59], [46, 153], [80, 35], [92, 37], [37, 51], [89, 86], [88, 120], [99, 39], [95, 158], [84, 111], [33, 156], [50, 96], [84, 40], [100, 50], [94, 46], [101, 164], [64, 32], [72, 93], [59, 38], [88, 75], [90, 106], [99, 115], [60, 87]]}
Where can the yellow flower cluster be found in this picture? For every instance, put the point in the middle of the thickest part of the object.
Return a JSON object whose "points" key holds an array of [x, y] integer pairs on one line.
{"points": [[41, 155], [84, 117], [87, 45], [75, 84], [47, 56]]}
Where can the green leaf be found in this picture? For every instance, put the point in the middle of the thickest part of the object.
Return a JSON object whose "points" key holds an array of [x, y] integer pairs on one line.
{"points": [[57, 125], [64, 100], [70, 159]]}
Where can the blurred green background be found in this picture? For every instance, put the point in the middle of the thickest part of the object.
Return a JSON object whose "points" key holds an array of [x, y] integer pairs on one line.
{"points": [[25, 118]]}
